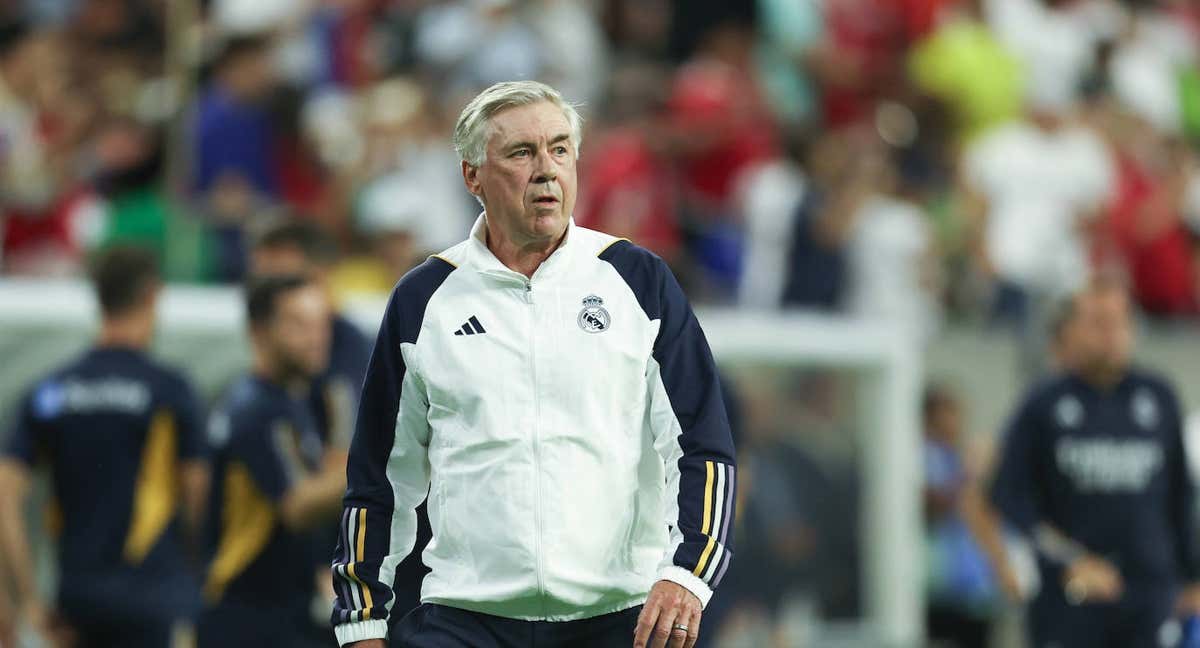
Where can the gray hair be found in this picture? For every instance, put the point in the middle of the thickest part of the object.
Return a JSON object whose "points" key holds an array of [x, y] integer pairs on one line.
{"points": [[472, 131]]}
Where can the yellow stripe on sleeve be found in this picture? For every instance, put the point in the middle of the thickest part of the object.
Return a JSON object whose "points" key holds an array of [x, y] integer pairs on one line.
{"points": [[704, 557], [360, 541]]}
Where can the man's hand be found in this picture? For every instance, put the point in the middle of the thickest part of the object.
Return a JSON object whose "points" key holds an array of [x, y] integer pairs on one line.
{"points": [[368, 643], [1092, 579], [1188, 602], [668, 606]]}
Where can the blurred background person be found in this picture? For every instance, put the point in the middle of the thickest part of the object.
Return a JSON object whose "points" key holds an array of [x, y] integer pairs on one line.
{"points": [[891, 275], [234, 168], [303, 248], [272, 483], [963, 594], [44, 116], [1093, 470], [963, 63], [296, 247], [129, 202], [1035, 188], [122, 439], [233, 132]]}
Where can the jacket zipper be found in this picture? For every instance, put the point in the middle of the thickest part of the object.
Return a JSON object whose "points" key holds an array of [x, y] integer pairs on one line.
{"points": [[537, 461]]}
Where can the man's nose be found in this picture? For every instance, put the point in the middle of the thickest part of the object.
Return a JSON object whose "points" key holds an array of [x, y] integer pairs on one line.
{"points": [[544, 170]]}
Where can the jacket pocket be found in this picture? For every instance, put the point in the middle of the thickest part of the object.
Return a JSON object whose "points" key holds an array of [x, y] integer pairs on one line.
{"points": [[444, 536]]}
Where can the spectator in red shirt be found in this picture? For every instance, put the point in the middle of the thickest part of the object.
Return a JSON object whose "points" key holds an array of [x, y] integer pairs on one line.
{"points": [[627, 180], [1144, 232], [720, 122]]}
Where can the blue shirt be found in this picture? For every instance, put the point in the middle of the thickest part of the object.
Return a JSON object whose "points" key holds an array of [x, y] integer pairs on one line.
{"points": [[233, 137]]}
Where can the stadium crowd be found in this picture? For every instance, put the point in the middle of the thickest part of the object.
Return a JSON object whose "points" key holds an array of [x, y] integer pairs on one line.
{"points": [[905, 159]]}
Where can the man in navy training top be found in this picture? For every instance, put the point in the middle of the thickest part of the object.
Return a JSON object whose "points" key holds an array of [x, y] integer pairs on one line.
{"points": [[271, 481], [1093, 470], [303, 248], [121, 437], [294, 246]]}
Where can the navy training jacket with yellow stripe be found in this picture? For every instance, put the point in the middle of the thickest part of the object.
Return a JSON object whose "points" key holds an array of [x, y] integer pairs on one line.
{"points": [[568, 429]]}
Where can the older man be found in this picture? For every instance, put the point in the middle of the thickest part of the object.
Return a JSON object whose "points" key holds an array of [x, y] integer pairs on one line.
{"points": [[551, 390]]}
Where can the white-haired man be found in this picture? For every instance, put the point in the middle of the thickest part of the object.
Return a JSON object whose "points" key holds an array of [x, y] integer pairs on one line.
{"points": [[551, 391]]}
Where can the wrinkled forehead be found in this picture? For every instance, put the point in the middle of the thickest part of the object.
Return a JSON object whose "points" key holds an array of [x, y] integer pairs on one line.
{"points": [[539, 122]]}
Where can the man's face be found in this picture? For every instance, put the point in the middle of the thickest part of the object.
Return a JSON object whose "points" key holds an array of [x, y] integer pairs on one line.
{"points": [[1067, 345], [1103, 330], [250, 75], [298, 335], [527, 180]]}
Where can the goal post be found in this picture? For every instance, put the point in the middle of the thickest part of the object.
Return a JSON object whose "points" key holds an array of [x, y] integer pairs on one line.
{"points": [[891, 537]]}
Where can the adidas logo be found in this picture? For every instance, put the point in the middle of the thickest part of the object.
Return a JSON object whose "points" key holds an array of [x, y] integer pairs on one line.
{"points": [[471, 327]]}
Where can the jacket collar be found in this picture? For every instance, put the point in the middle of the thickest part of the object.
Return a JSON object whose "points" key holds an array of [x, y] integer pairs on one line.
{"points": [[482, 259]]}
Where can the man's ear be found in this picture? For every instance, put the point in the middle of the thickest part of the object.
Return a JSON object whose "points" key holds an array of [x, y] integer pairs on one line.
{"points": [[471, 179]]}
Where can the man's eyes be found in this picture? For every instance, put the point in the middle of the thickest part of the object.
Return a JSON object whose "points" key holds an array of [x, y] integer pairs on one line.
{"points": [[524, 152]]}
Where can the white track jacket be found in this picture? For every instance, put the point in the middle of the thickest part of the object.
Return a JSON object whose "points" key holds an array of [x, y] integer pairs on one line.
{"points": [[568, 430]]}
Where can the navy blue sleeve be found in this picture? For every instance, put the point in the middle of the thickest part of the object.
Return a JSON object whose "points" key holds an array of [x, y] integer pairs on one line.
{"points": [[1183, 491], [388, 432], [336, 392], [700, 453], [1013, 490], [188, 414]]}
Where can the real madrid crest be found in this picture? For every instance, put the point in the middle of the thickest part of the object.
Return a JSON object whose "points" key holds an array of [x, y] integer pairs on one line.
{"points": [[593, 318]]}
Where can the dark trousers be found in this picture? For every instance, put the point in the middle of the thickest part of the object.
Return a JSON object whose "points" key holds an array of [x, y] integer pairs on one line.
{"points": [[1134, 622], [439, 626]]}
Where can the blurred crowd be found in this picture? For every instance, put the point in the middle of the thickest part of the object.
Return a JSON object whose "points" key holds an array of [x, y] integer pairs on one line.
{"points": [[911, 160]]}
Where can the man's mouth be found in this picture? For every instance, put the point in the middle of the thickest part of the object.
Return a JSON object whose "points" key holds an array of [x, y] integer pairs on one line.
{"points": [[545, 200]]}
